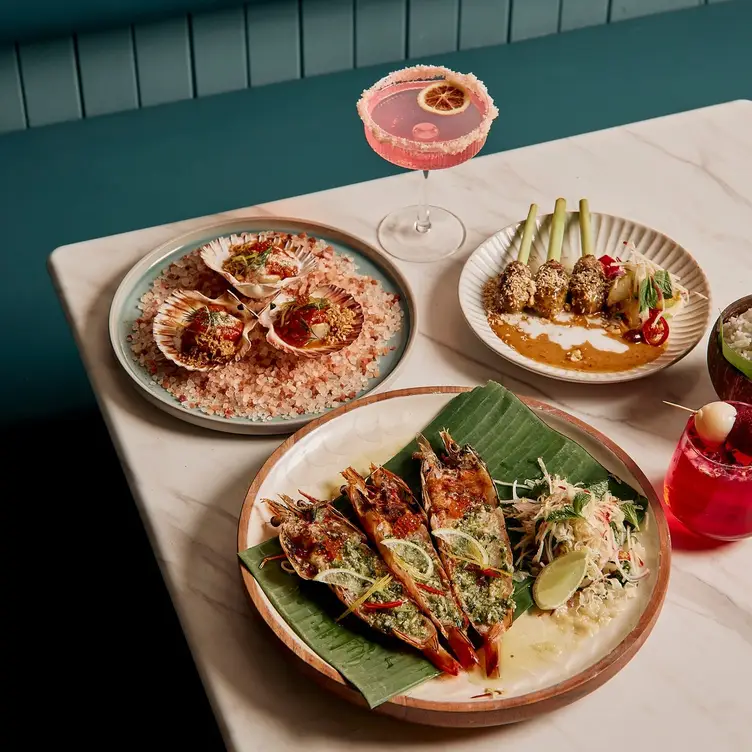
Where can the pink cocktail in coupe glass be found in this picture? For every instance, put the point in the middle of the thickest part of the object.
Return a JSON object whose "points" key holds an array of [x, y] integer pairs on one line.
{"points": [[409, 134]]}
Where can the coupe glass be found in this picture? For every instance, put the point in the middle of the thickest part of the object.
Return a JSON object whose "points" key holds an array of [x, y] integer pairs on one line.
{"points": [[708, 497], [403, 133]]}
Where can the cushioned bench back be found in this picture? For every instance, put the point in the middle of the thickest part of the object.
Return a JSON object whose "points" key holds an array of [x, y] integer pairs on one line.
{"points": [[80, 58]]}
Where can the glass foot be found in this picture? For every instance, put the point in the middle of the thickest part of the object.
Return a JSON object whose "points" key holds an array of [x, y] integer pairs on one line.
{"points": [[399, 235]]}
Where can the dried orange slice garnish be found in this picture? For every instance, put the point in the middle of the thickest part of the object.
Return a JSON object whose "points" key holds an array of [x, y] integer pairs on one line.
{"points": [[444, 98]]}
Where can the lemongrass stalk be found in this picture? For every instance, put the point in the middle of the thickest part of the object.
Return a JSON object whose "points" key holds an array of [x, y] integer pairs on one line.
{"points": [[527, 235], [586, 230], [557, 230]]}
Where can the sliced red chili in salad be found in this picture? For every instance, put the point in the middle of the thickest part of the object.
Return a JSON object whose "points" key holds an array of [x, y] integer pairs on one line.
{"points": [[381, 606], [655, 330], [492, 572], [430, 589], [610, 266]]}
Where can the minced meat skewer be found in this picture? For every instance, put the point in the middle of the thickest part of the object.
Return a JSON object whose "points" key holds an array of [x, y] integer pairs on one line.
{"points": [[587, 286], [516, 285], [551, 280]]}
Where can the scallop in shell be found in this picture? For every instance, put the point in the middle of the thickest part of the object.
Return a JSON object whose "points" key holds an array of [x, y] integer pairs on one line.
{"points": [[324, 321], [200, 333], [262, 282]]}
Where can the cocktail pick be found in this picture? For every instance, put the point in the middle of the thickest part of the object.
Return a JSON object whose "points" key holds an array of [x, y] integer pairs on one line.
{"points": [[681, 407]]}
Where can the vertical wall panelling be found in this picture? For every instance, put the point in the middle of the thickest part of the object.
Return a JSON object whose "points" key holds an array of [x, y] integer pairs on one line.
{"points": [[576, 14], [534, 18], [12, 115], [432, 27], [107, 66], [273, 41], [380, 31], [483, 23], [327, 36], [219, 51], [623, 9], [49, 77], [163, 61]]}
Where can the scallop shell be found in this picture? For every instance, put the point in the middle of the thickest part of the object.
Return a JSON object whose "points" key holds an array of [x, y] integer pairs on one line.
{"points": [[336, 295], [216, 252], [177, 310]]}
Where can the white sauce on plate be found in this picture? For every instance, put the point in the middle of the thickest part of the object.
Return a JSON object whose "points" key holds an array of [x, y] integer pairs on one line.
{"points": [[565, 336]]}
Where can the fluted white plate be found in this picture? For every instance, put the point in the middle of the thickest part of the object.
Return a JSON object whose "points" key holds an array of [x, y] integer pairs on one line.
{"points": [[609, 235]]}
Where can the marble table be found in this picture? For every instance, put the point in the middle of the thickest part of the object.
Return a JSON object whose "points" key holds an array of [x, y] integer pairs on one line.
{"points": [[690, 175]]}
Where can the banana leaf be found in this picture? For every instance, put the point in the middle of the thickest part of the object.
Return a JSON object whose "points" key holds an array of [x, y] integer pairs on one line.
{"points": [[510, 438]]}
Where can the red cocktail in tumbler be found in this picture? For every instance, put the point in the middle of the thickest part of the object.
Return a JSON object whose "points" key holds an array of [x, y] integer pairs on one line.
{"points": [[709, 484]]}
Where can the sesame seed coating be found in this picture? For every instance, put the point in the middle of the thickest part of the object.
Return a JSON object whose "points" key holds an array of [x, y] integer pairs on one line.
{"points": [[587, 286], [551, 286], [516, 288]]}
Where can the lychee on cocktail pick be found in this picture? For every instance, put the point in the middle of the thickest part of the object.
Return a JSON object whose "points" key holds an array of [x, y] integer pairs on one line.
{"points": [[713, 422]]}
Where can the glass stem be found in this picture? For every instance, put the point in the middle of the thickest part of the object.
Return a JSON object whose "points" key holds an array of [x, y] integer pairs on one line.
{"points": [[423, 222]]}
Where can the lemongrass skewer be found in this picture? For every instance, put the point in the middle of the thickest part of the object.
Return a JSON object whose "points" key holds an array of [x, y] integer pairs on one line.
{"points": [[558, 221], [551, 280], [527, 235], [586, 231], [587, 285], [516, 286]]}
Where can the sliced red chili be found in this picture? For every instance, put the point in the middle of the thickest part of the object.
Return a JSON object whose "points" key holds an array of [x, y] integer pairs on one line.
{"points": [[655, 330], [610, 266], [430, 589], [381, 606], [491, 572]]}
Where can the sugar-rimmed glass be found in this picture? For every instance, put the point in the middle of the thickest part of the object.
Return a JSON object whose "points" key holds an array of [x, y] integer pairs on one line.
{"points": [[403, 133]]}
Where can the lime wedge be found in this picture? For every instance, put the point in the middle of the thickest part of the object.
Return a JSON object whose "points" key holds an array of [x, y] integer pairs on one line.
{"points": [[559, 581], [464, 546], [344, 578], [412, 557]]}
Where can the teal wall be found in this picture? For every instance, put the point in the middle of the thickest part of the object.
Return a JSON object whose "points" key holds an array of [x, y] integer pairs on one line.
{"points": [[210, 48]]}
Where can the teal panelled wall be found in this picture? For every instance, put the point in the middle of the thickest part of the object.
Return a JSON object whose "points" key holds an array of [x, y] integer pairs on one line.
{"points": [[577, 14], [163, 61], [12, 109], [223, 49], [273, 34], [107, 68], [433, 27], [328, 31], [484, 23], [380, 31], [534, 18], [49, 77], [623, 9], [220, 51]]}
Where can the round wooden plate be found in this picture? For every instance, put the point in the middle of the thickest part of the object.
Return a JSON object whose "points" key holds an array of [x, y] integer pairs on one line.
{"points": [[374, 429]]}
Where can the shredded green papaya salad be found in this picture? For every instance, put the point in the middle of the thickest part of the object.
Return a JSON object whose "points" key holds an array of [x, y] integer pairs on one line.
{"points": [[551, 517]]}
